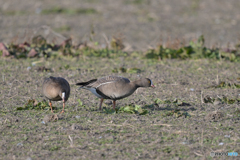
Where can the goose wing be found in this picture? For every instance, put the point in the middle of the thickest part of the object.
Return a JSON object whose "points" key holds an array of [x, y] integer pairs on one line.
{"points": [[112, 87], [96, 83]]}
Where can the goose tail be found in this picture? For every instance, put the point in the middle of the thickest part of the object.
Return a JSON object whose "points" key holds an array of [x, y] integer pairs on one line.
{"points": [[86, 83]]}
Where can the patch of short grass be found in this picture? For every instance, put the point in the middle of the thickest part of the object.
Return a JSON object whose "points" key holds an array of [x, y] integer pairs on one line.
{"points": [[132, 109], [63, 28], [32, 104], [69, 11], [12, 12]]}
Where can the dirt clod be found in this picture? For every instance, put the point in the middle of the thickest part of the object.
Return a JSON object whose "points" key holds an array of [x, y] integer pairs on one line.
{"points": [[32, 53], [77, 127], [50, 118], [215, 116], [44, 69]]}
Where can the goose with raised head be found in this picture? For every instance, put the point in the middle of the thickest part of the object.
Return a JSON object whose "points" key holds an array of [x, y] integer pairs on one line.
{"points": [[114, 87], [56, 89]]}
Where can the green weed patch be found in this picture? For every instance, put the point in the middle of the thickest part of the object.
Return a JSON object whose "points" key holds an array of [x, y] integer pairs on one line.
{"points": [[59, 10], [126, 70], [32, 104], [176, 113], [176, 102], [195, 50], [222, 100], [132, 109], [39, 47], [227, 85]]}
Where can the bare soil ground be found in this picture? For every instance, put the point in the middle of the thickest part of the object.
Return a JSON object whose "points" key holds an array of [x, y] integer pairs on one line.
{"points": [[193, 131], [188, 116], [141, 23]]}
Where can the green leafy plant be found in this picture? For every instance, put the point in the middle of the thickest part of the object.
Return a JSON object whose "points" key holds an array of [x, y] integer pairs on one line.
{"points": [[136, 109], [195, 50], [133, 70], [208, 99], [110, 110], [223, 84], [117, 43], [54, 148], [132, 109], [176, 113], [159, 101], [228, 100], [39, 47], [224, 99], [79, 102], [126, 70], [32, 104]]}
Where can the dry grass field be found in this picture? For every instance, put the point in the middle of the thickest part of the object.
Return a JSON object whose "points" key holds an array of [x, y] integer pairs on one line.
{"points": [[193, 111]]}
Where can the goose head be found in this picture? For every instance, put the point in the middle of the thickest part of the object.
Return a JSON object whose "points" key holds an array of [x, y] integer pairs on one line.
{"points": [[145, 82]]}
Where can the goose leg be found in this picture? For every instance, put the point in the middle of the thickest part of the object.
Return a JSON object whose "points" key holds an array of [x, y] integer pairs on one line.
{"points": [[63, 106], [100, 105], [50, 104], [114, 104]]}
